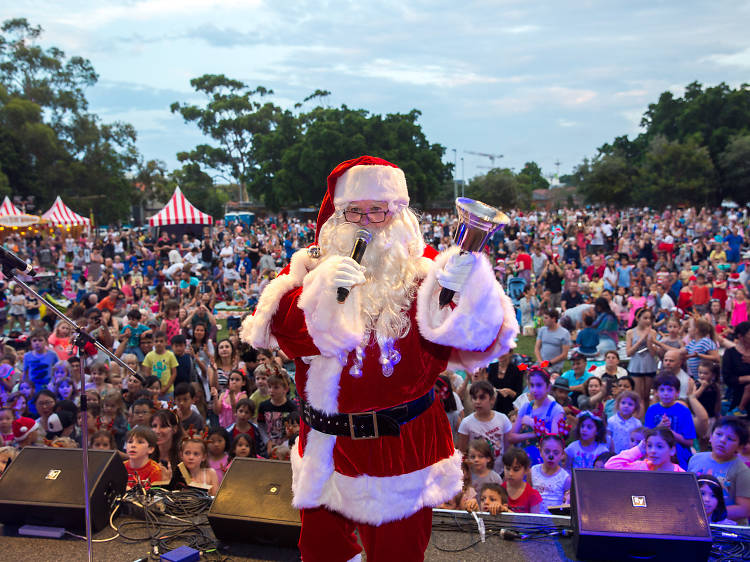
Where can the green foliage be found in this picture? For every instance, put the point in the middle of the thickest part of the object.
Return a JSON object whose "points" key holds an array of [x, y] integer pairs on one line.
{"points": [[282, 157], [199, 188], [735, 161], [49, 144], [500, 187], [684, 156], [532, 178]]}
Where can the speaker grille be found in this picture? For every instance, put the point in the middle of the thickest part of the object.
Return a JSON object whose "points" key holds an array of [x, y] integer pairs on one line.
{"points": [[610, 501]]}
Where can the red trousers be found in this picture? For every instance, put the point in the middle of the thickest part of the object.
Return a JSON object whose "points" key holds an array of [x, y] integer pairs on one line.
{"points": [[329, 537]]}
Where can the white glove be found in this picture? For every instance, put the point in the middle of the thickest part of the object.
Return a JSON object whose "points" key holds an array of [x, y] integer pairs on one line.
{"points": [[348, 273], [456, 272]]}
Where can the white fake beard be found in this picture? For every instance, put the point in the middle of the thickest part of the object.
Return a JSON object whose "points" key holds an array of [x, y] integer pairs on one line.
{"points": [[392, 269]]}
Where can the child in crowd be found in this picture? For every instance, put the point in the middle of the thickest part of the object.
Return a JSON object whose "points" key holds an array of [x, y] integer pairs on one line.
{"points": [[161, 363], [7, 454], [587, 339], [183, 398], [485, 423], [619, 426], [66, 390], [142, 469], [548, 478], [185, 365], [37, 363], [624, 383], [653, 453], [194, 469], [25, 432], [6, 426], [218, 451], [729, 435], [130, 334], [261, 393], [672, 415], [708, 389], [140, 412], [271, 413], [712, 494], [60, 370], [542, 413], [242, 424], [590, 442], [602, 459], [467, 497], [102, 440], [243, 446], [494, 498], [291, 432], [113, 415], [522, 498], [482, 460], [224, 405], [99, 377]]}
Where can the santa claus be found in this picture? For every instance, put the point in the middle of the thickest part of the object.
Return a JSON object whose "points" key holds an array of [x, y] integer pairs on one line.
{"points": [[375, 451]]}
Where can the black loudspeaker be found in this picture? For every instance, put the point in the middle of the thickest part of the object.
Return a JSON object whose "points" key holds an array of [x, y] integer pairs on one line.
{"points": [[44, 486], [638, 515], [254, 504]]}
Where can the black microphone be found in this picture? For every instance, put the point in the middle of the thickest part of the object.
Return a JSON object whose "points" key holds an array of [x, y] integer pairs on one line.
{"points": [[361, 239], [9, 260]]}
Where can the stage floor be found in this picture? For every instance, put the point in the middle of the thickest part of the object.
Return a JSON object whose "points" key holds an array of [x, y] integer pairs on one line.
{"points": [[25, 549]]}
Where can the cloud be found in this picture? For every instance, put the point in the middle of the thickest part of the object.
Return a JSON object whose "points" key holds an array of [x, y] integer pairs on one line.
{"points": [[528, 99], [566, 123], [226, 37], [739, 58], [419, 74], [519, 29]]}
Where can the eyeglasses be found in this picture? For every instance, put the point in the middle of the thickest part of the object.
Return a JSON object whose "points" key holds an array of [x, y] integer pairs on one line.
{"points": [[372, 216]]}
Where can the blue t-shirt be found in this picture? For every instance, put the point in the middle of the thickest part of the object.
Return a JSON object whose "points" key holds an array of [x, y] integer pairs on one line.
{"points": [[588, 340], [135, 334], [39, 367], [734, 475], [682, 423], [623, 276]]}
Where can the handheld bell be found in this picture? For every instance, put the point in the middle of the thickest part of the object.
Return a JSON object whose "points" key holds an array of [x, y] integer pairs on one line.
{"points": [[476, 223]]}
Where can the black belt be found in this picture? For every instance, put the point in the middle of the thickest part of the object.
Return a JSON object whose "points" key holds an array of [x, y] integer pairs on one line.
{"points": [[367, 425]]}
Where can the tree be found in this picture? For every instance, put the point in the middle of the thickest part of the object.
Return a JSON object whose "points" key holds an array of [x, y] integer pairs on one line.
{"points": [[233, 117], [301, 151], [735, 161], [199, 188], [500, 187], [677, 173], [49, 144], [531, 176], [609, 178]]}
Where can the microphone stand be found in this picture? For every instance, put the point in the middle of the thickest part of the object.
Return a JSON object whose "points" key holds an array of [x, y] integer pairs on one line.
{"points": [[80, 339]]}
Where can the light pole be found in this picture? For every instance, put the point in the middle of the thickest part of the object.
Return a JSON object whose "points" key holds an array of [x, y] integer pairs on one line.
{"points": [[455, 182], [463, 181]]}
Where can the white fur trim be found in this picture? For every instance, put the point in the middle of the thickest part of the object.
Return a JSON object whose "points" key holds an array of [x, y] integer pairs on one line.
{"points": [[357, 558], [322, 388], [470, 361], [311, 472], [256, 329], [372, 499], [374, 182], [336, 328], [478, 316]]}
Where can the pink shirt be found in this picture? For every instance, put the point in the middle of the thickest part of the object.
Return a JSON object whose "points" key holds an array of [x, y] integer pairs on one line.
{"points": [[632, 459]]}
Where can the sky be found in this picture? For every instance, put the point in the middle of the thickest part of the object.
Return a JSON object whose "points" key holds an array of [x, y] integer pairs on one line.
{"points": [[528, 80]]}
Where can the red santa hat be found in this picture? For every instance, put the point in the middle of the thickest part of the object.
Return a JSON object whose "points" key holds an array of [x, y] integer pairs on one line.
{"points": [[363, 178], [22, 428]]}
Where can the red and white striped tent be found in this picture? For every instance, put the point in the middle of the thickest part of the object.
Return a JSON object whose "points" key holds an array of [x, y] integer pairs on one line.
{"points": [[60, 214], [8, 208], [179, 211]]}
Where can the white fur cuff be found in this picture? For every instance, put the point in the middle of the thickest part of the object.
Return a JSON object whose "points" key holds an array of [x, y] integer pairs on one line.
{"points": [[255, 329], [336, 328], [475, 321]]}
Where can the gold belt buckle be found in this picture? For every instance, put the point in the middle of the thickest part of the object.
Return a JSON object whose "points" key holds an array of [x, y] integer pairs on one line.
{"points": [[353, 435]]}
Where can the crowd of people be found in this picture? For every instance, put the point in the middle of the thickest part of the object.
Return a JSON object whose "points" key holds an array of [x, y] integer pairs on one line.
{"points": [[641, 357]]}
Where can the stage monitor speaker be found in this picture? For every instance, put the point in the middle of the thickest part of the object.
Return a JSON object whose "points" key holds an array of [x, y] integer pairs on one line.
{"points": [[638, 515], [254, 504], [44, 486]]}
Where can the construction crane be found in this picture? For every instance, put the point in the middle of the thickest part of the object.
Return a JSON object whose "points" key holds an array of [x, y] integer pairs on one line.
{"points": [[492, 157]]}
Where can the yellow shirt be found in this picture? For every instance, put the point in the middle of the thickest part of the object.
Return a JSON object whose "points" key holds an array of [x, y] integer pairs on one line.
{"points": [[161, 365]]}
